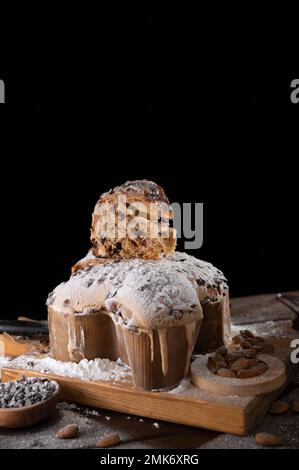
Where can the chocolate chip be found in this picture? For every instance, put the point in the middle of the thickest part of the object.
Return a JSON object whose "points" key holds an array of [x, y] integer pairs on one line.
{"points": [[25, 392], [111, 294], [118, 247]]}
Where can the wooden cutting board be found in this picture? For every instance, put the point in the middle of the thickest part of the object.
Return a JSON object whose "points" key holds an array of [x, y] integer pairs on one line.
{"points": [[232, 414]]}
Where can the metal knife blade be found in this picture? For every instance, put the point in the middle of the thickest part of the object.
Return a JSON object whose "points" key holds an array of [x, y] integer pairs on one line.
{"points": [[23, 328]]}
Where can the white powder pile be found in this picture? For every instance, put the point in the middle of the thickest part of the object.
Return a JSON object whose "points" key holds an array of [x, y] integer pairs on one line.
{"points": [[97, 369]]}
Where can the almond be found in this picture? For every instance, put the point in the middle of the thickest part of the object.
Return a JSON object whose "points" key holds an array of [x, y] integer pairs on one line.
{"points": [[278, 407], [253, 343], [110, 440], [241, 363], [252, 362], [267, 440], [244, 363], [68, 432], [258, 348], [212, 365], [218, 357], [220, 361], [250, 353], [227, 373], [247, 333], [246, 344], [258, 340], [234, 356], [295, 406], [222, 351], [237, 339], [252, 372]]}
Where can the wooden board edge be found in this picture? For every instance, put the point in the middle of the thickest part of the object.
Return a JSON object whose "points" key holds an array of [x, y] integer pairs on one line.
{"points": [[188, 411], [13, 348]]}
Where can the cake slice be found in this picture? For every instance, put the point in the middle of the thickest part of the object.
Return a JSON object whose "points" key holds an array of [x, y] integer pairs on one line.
{"points": [[133, 221]]}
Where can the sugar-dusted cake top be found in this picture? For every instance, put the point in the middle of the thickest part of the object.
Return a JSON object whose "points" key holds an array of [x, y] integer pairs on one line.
{"points": [[140, 293]]}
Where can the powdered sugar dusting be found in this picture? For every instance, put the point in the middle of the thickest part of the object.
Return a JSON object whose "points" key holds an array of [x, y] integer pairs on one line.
{"points": [[154, 298], [97, 369], [160, 292], [202, 272]]}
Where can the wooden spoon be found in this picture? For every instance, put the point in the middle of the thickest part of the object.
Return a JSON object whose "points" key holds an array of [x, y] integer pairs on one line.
{"points": [[27, 415]]}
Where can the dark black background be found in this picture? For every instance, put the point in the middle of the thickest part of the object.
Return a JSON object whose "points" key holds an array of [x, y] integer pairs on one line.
{"points": [[147, 99]]}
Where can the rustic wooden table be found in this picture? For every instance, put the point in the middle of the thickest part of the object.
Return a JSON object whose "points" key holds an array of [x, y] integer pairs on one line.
{"points": [[264, 313]]}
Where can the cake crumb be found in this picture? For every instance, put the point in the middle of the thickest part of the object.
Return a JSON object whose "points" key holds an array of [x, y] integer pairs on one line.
{"points": [[66, 406]]}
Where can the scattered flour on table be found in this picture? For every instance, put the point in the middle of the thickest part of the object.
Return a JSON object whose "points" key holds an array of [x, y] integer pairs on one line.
{"points": [[67, 406], [187, 389], [97, 369], [277, 328], [63, 406]]}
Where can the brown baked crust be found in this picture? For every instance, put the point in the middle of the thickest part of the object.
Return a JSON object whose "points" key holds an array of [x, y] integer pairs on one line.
{"points": [[143, 190], [88, 263]]}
